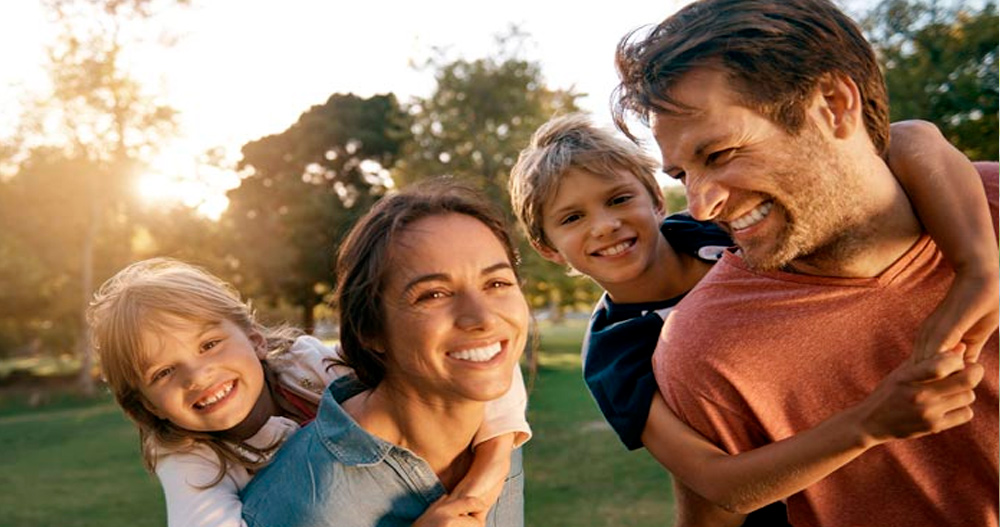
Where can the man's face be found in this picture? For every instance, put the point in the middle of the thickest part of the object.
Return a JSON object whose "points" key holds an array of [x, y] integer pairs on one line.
{"points": [[784, 199]]}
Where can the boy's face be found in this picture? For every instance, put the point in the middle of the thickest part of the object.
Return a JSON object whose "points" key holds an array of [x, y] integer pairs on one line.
{"points": [[604, 226]]}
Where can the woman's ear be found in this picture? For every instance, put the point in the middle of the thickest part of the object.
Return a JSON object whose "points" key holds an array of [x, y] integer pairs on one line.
{"points": [[841, 104]]}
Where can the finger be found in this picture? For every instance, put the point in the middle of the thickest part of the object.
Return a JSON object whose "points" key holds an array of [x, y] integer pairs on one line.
{"points": [[937, 366], [965, 380], [463, 506], [977, 336]]}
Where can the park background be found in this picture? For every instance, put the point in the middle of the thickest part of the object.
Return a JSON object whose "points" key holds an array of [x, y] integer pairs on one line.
{"points": [[248, 136]]}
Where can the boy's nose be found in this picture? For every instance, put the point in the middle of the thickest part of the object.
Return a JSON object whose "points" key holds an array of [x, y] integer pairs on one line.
{"points": [[605, 224]]}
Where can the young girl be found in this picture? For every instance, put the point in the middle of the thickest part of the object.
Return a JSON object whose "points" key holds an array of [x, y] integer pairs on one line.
{"points": [[214, 393]]}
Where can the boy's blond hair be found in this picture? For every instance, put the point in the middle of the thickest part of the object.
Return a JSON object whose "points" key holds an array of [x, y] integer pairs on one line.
{"points": [[572, 141], [151, 295]]}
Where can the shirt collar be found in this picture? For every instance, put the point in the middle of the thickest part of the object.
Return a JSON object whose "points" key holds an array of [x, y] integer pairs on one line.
{"points": [[340, 434]]}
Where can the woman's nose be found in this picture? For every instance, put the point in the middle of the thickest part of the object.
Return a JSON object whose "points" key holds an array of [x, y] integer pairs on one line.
{"points": [[474, 312]]}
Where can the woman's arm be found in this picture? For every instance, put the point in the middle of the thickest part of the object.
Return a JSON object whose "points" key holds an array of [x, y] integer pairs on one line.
{"points": [[947, 193], [914, 400], [191, 504]]}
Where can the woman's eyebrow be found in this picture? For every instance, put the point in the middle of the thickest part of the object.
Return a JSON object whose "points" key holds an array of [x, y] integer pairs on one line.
{"points": [[444, 277]]}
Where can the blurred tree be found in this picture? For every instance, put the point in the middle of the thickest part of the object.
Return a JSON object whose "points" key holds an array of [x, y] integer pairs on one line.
{"points": [[473, 126], [940, 62], [306, 187], [89, 137]]}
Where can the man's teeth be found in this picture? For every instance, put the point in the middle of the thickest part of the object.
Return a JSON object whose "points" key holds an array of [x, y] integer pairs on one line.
{"points": [[616, 249], [752, 218], [477, 354], [214, 398]]}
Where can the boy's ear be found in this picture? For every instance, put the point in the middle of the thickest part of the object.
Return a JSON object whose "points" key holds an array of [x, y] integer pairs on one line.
{"points": [[841, 105], [548, 253]]}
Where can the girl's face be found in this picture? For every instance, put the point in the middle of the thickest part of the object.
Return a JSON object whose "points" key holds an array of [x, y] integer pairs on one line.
{"points": [[455, 318], [204, 377]]}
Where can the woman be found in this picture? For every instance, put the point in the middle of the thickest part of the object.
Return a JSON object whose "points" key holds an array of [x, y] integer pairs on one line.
{"points": [[433, 322]]}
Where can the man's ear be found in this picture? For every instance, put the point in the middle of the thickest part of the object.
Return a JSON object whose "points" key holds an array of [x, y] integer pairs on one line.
{"points": [[548, 253], [841, 105]]}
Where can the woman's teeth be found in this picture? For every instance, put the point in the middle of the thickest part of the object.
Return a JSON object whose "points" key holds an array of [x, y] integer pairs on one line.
{"points": [[477, 354], [752, 218], [215, 397]]}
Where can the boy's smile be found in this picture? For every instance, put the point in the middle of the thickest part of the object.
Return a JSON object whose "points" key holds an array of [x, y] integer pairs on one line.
{"points": [[605, 226]]}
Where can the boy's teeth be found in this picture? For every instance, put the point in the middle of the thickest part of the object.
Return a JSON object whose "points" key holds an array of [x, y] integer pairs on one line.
{"points": [[477, 354], [214, 398], [615, 249], [753, 217]]}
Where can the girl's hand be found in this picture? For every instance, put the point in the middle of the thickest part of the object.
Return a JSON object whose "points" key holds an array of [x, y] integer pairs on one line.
{"points": [[489, 469], [930, 396], [452, 511], [967, 315]]}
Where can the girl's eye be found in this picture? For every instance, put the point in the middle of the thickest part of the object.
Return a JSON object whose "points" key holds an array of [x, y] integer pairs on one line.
{"points": [[161, 374], [570, 219], [207, 346], [618, 200]]}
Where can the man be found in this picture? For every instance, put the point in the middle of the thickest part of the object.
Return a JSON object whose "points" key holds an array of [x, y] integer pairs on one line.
{"points": [[774, 115]]}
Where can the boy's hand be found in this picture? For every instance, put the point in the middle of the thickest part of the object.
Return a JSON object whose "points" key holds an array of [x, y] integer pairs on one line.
{"points": [[927, 397], [454, 511], [967, 315]]}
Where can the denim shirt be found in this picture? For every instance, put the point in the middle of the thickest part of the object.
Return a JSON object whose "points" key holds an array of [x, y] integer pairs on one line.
{"points": [[334, 473]]}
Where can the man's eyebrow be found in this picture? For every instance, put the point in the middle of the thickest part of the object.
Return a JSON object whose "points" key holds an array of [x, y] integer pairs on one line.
{"points": [[699, 151], [444, 277]]}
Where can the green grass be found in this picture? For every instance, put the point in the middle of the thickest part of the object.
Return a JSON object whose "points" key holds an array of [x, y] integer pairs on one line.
{"points": [[75, 462]]}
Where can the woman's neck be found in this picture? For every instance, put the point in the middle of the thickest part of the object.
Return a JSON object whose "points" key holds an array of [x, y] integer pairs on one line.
{"points": [[439, 432]]}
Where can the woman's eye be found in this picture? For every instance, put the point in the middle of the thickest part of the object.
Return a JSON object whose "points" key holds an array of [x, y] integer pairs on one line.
{"points": [[499, 283], [431, 295]]}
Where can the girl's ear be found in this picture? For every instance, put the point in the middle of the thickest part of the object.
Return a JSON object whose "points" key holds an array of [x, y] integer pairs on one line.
{"points": [[259, 343], [152, 409]]}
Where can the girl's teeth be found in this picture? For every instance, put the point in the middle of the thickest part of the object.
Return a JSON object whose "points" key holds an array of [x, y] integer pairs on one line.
{"points": [[477, 354], [753, 217], [214, 398]]}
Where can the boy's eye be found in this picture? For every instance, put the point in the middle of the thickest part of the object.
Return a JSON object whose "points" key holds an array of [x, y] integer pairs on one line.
{"points": [[618, 200]]}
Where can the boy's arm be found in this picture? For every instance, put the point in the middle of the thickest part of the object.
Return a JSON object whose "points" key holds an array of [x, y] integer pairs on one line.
{"points": [[182, 476], [914, 400], [947, 194]]}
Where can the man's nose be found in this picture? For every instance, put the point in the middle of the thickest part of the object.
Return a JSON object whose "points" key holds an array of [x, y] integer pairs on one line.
{"points": [[706, 198]]}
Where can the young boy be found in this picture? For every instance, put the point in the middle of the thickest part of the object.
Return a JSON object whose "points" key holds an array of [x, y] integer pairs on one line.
{"points": [[589, 199]]}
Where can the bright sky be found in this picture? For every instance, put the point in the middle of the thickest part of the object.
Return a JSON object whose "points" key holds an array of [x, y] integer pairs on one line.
{"points": [[242, 69]]}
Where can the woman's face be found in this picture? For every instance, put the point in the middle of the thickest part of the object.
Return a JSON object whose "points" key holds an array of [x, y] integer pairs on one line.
{"points": [[455, 318]]}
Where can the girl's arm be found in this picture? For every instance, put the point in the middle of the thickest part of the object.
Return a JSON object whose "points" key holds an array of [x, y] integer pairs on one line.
{"points": [[183, 477], [947, 193], [914, 400], [504, 428]]}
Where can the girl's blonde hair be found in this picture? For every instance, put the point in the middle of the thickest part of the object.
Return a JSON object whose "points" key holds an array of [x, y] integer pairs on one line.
{"points": [[145, 296]]}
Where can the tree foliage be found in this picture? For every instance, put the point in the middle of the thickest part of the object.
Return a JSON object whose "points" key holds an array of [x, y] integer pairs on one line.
{"points": [[306, 186], [940, 63]]}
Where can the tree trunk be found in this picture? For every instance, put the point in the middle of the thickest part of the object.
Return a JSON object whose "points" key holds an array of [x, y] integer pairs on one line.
{"points": [[309, 318], [84, 347]]}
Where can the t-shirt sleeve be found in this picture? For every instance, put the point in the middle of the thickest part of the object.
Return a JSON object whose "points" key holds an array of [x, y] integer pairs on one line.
{"points": [[507, 414], [183, 476], [619, 375]]}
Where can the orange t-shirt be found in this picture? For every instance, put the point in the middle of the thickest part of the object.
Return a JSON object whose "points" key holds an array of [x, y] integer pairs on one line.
{"points": [[749, 358]]}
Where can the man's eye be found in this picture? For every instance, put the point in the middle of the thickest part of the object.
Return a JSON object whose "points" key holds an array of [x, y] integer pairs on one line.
{"points": [[721, 156]]}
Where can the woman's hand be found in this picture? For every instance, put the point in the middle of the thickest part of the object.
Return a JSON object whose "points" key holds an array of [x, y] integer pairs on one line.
{"points": [[452, 511]]}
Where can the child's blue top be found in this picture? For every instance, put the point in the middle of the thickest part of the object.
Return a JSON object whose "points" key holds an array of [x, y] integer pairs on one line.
{"points": [[620, 339]]}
